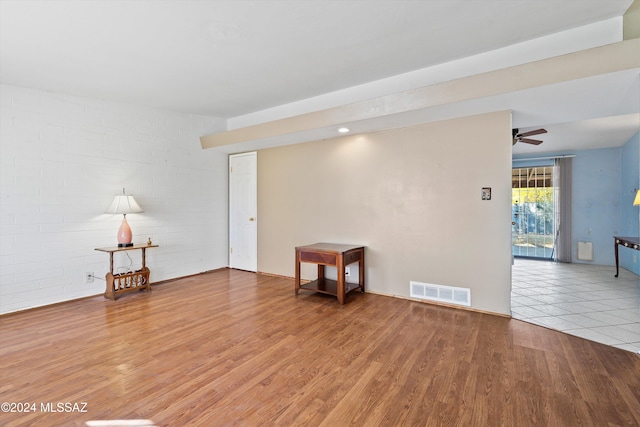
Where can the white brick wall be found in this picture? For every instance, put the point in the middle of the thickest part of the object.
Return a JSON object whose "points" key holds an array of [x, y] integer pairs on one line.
{"points": [[63, 158]]}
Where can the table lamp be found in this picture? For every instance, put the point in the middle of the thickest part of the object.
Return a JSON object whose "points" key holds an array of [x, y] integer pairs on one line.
{"points": [[123, 204], [636, 202]]}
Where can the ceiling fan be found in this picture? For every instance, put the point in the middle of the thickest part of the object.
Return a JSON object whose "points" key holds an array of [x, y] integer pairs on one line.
{"points": [[522, 137]]}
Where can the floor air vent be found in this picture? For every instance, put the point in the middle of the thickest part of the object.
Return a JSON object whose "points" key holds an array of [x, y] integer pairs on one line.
{"points": [[441, 293]]}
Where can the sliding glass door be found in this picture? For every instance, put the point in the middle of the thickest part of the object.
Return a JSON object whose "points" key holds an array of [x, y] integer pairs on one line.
{"points": [[533, 212]]}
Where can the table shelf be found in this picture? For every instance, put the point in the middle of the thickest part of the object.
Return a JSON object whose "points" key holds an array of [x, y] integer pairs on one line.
{"points": [[329, 287]]}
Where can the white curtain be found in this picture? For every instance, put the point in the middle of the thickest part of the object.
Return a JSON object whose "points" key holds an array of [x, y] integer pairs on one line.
{"points": [[562, 202]]}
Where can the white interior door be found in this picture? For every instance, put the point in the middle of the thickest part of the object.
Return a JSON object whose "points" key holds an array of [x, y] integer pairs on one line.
{"points": [[243, 206]]}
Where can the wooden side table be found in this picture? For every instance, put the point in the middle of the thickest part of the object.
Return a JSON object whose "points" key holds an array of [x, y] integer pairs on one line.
{"points": [[126, 282], [333, 254], [628, 242]]}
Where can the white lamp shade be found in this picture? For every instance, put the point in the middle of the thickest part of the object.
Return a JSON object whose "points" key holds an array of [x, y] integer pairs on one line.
{"points": [[123, 204]]}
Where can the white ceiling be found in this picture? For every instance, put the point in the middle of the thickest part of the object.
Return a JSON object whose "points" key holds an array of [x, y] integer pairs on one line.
{"points": [[231, 58]]}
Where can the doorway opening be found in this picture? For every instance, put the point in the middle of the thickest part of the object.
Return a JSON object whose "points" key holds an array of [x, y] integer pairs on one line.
{"points": [[533, 212]]}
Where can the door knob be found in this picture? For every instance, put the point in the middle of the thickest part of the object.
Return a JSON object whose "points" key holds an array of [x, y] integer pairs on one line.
{"points": [[252, 219]]}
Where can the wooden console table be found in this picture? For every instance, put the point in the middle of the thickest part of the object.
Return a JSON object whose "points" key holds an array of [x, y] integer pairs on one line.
{"points": [[627, 242], [333, 254], [130, 281]]}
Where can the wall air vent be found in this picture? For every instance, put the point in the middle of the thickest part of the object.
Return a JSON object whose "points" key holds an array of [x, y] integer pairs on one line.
{"points": [[441, 293], [585, 251]]}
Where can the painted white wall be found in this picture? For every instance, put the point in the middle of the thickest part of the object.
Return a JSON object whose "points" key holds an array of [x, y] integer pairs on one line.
{"points": [[62, 159], [412, 196]]}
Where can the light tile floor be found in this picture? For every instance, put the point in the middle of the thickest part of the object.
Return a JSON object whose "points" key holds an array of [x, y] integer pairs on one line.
{"points": [[579, 299]]}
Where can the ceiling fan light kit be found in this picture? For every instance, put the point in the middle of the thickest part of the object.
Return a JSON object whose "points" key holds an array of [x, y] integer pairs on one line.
{"points": [[522, 137]]}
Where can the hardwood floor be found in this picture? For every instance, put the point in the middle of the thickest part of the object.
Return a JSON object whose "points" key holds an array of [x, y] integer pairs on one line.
{"points": [[237, 348]]}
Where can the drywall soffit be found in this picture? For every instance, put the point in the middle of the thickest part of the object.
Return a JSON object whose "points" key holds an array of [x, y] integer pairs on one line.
{"points": [[565, 68]]}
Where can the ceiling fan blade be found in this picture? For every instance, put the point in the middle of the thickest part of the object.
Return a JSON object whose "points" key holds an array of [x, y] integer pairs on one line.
{"points": [[532, 132], [530, 141]]}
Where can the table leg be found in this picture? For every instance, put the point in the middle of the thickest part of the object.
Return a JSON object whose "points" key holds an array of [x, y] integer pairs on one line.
{"points": [[615, 250], [320, 272], [361, 272], [109, 291], [340, 274], [297, 281]]}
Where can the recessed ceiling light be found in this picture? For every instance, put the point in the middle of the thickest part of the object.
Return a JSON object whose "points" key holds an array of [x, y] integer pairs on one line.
{"points": [[343, 130]]}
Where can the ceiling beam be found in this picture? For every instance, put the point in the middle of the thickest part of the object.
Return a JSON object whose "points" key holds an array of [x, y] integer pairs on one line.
{"points": [[588, 63]]}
